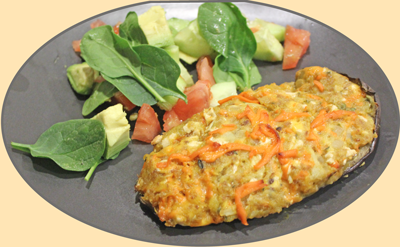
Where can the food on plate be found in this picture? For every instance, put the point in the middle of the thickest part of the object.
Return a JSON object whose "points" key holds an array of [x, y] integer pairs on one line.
{"points": [[81, 77], [260, 151], [295, 46]]}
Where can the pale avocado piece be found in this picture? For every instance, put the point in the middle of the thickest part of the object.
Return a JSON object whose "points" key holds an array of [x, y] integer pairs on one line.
{"points": [[170, 101], [188, 59], [173, 51], [191, 42], [117, 130], [277, 30], [221, 91], [155, 27], [81, 76], [176, 25], [268, 47]]}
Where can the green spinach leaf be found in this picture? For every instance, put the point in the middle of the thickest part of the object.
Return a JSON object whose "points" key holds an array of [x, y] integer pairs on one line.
{"points": [[114, 57], [132, 89], [226, 30], [101, 93], [160, 70], [131, 30], [74, 145], [222, 76]]}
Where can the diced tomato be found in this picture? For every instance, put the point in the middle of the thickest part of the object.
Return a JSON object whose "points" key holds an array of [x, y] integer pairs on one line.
{"points": [[116, 27], [170, 120], [97, 23], [118, 97], [147, 125], [204, 69], [76, 45], [295, 46], [198, 96]]}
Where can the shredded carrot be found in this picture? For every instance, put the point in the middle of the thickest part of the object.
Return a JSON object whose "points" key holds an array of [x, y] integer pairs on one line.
{"points": [[284, 116], [323, 117], [319, 85], [243, 191], [240, 97], [223, 112], [225, 128], [210, 147], [179, 157], [288, 154], [223, 149], [270, 152], [335, 164], [247, 95]]}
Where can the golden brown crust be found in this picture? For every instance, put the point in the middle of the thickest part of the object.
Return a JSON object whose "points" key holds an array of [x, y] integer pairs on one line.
{"points": [[244, 160]]}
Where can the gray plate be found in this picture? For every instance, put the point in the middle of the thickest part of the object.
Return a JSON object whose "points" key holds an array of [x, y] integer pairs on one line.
{"points": [[109, 202]]}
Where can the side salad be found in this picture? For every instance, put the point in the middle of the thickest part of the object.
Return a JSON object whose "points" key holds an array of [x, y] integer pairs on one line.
{"points": [[140, 62]]}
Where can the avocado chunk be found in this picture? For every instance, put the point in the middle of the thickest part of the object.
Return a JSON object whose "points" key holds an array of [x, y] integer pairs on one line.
{"points": [[117, 130], [221, 91], [81, 77], [191, 42], [268, 47], [155, 27], [188, 59], [176, 25], [173, 51], [277, 30]]}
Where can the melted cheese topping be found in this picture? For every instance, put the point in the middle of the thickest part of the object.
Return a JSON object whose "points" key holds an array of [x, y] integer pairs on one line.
{"points": [[258, 158]]}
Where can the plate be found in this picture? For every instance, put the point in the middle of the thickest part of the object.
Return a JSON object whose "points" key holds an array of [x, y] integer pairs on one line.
{"points": [[108, 201]]}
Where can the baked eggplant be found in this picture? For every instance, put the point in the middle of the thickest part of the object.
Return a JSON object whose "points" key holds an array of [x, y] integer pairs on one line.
{"points": [[260, 151]]}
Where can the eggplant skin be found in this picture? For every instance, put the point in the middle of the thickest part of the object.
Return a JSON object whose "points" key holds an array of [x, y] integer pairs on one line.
{"points": [[255, 155]]}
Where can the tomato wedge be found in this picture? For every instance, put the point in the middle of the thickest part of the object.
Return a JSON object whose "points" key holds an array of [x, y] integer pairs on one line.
{"points": [[170, 120], [147, 125], [118, 97], [116, 28], [204, 69], [295, 46], [97, 23], [76, 45], [198, 96]]}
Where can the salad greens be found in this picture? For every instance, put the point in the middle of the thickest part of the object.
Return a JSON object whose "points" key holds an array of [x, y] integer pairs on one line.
{"points": [[115, 59], [226, 30], [101, 93], [142, 62], [75, 145], [131, 30]]}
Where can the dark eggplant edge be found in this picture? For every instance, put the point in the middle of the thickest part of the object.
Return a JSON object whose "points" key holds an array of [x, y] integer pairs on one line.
{"points": [[369, 91]]}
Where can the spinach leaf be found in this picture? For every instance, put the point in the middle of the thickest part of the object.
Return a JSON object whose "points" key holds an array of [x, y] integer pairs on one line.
{"points": [[131, 30], [222, 76], [132, 89], [160, 70], [226, 31], [101, 93], [114, 57], [74, 145]]}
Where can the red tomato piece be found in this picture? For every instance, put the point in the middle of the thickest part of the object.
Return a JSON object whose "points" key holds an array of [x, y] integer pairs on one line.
{"points": [[170, 120], [147, 125], [198, 96], [76, 45], [204, 69], [116, 28], [97, 23], [296, 44], [118, 97]]}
